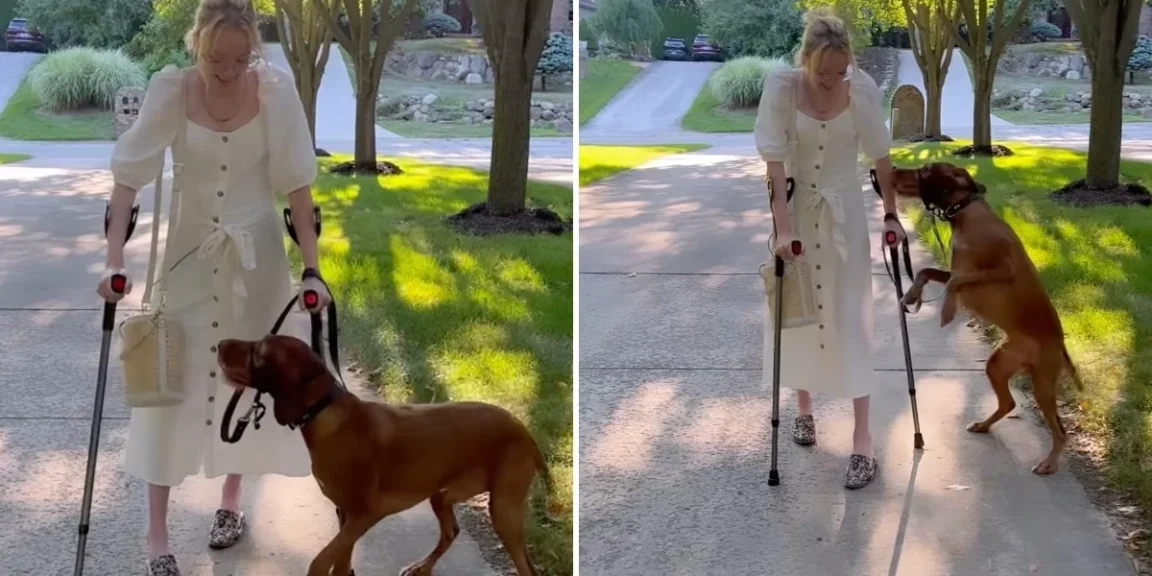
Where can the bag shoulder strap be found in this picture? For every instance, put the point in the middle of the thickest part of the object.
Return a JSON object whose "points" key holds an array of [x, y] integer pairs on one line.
{"points": [[177, 148]]}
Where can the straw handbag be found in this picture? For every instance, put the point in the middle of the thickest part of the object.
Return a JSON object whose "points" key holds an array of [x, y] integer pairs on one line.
{"points": [[799, 304], [152, 343]]}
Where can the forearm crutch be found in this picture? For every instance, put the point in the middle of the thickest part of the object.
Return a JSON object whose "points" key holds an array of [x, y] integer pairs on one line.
{"points": [[890, 240], [774, 474]]}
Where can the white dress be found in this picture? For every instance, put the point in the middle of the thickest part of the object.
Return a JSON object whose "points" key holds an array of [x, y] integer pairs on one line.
{"points": [[235, 283], [831, 357]]}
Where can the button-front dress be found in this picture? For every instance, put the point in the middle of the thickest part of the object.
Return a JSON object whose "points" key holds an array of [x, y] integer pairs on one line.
{"points": [[235, 282], [833, 356]]}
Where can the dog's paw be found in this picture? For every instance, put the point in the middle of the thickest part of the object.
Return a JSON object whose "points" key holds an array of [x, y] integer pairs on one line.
{"points": [[913, 300], [1046, 466], [979, 428], [417, 569]]}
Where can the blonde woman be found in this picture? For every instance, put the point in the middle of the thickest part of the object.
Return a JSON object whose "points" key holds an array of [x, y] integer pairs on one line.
{"points": [[239, 139], [813, 121]]}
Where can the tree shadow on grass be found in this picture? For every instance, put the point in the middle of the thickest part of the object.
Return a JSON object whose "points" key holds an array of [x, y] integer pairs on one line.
{"points": [[433, 315]]}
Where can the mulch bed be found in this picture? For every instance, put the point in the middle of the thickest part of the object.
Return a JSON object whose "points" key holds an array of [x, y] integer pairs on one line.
{"points": [[350, 168], [940, 138], [1083, 195], [994, 151], [476, 220]]}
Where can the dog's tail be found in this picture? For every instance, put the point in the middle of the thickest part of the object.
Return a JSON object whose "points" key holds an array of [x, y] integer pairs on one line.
{"points": [[1072, 369], [553, 509]]}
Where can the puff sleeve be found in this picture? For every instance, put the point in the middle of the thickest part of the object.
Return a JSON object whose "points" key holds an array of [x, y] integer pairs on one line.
{"points": [[292, 158], [138, 155], [771, 129], [869, 116]]}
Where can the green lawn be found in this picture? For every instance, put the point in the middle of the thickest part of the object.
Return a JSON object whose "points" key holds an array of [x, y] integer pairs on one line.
{"points": [[444, 45], [1096, 266], [600, 162], [10, 158], [603, 80], [24, 119], [1038, 117], [452, 129], [433, 315]]}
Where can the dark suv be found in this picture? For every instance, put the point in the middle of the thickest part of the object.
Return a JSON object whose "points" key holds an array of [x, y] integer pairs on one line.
{"points": [[703, 48], [676, 49], [22, 36]]}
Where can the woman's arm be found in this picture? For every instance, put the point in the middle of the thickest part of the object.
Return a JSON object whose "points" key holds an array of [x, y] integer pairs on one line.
{"points": [[304, 220], [884, 176], [119, 212], [779, 203]]}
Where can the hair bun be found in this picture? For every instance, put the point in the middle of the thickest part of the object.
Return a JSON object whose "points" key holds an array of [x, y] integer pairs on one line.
{"points": [[822, 19]]}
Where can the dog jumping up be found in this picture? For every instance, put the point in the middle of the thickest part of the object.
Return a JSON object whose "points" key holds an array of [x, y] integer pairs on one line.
{"points": [[373, 459], [994, 279]]}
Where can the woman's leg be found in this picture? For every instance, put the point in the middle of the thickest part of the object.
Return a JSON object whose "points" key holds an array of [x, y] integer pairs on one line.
{"points": [[861, 435], [804, 402], [158, 520], [230, 494]]}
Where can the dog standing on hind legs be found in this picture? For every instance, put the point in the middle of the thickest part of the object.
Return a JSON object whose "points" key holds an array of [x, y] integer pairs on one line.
{"points": [[994, 279]]}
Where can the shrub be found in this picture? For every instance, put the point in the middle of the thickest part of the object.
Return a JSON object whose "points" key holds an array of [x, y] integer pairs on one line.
{"points": [[588, 34], [96, 23], [439, 23], [556, 58], [152, 63], [1141, 58], [79, 78], [738, 83], [1045, 30]]}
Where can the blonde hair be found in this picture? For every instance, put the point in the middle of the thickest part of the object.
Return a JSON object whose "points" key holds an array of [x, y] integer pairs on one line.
{"points": [[824, 32], [213, 16]]}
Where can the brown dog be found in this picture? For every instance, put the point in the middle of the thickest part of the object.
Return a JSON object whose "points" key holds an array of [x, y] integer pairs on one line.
{"points": [[993, 277], [372, 459]]}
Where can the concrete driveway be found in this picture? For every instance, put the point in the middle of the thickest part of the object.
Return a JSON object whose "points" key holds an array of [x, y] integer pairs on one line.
{"points": [[674, 415], [51, 253], [654, 102], [13, 67]]}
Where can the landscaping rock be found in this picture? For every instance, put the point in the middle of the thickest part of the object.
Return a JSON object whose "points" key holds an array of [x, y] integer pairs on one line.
{"points": [[535, 113], [1072, 75], [474, 78], [430, 99], [1035, 92], [441, 75], [1147, 112], [563, 126], [547, 115]]}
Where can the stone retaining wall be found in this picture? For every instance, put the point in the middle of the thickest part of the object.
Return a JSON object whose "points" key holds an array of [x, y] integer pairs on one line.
{"points": [[1035, 100], [429, 108], [1070, 66], [457, 68]]}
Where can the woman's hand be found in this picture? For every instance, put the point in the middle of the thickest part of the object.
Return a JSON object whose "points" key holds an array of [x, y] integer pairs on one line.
{"points": [[317, 286], [783, 248], [892, 229], [104, 287]]}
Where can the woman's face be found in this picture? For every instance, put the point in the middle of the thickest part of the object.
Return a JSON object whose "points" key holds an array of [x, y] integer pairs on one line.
{"points": [[833, 69], [228, 58]]}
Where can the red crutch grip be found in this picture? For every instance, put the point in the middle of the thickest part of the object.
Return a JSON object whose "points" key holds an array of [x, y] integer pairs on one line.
{"points": [[890, 238], [796, 247], [119, 283], [311, 299]]}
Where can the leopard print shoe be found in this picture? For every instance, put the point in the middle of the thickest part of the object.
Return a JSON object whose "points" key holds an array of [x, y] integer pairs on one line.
{"points": [[163, 566], [804, 430], [227, 528], [861, 469]]}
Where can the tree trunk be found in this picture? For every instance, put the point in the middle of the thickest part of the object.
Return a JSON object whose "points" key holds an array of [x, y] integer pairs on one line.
{"points": [[365, 121], [982, 111], [933, 101], [507, 185], [1106, 117]]}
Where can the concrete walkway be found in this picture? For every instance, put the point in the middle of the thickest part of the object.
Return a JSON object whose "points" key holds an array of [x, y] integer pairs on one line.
{"points": [[51, 253], [958, 99], [674, 416]]}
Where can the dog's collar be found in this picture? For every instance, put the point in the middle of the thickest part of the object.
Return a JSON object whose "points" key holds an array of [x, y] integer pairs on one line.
{"points": [[945, 213], [313, 411]]}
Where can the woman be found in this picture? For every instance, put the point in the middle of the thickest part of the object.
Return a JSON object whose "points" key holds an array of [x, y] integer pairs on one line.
{"points": [[812, 122], [239, 137]]}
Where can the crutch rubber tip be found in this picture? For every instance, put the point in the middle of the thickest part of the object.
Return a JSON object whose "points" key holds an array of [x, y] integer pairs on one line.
{"points": [[919, 441], [773, 478]]}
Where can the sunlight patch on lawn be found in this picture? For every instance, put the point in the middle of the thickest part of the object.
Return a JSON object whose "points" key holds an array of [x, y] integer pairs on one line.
{"points": [[599, 162]]}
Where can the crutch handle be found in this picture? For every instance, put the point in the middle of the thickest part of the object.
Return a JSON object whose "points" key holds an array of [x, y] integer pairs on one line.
{"points": [[311, 299], [890, 238], [797, 248], [119, 282]]}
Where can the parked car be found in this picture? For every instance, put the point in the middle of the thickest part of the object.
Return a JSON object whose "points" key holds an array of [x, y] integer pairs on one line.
{"points": [[676, 49], [22, 36], [703, 48]]}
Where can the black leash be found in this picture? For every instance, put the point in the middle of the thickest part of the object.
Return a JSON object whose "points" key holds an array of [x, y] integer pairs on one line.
{"points": [[907, 255], [256, 411]]}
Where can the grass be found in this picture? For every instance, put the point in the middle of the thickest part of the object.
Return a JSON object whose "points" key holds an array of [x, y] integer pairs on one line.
{"points": [[444, 45], [1097, 266], [600, 162], [11, 158], [24, 119], [433, 315], [603, 80], [1055, 48]]}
